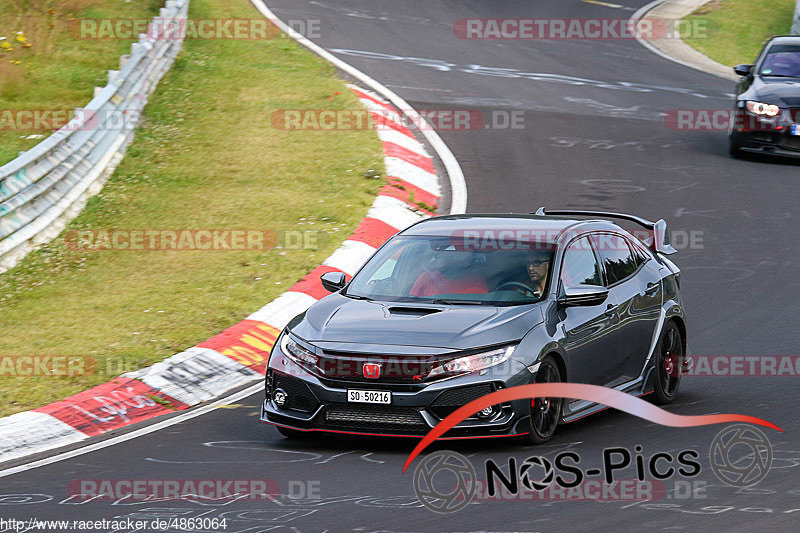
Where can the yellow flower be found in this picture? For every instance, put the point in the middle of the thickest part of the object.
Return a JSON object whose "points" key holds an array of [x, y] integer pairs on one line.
{"points": [[21, 37], [4, 44]]}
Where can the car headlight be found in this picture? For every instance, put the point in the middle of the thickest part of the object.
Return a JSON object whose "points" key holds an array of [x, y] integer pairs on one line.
{"points": [[295, 352], [473, 363], [761, 109]]}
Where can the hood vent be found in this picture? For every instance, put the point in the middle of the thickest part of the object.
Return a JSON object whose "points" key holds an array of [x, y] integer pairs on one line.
{"points": [[413, 312]]}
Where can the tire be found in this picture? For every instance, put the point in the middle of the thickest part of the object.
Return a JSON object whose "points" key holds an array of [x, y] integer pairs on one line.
{"points": [[734, 147], [545, 412], [290, 433], [669, 360]]}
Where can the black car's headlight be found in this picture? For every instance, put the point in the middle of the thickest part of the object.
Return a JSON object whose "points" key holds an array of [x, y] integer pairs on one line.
{"points": [[762, 109], [295, 352], [473, 363]]}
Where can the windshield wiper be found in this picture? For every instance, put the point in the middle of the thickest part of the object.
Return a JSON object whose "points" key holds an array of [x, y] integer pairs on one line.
{"points": [[444, 301], [782, 75], [357, 297]]}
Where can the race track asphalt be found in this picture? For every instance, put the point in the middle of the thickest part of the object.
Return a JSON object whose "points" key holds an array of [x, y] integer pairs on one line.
{"points": [[592, 136]]}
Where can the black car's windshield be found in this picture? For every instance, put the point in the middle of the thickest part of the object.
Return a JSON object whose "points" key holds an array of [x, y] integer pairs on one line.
{"points": [[782, 60], [455, 270]]}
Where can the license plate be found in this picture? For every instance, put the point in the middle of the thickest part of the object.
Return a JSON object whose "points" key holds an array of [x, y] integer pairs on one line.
{"points": [[369, 396], [795, 129]]}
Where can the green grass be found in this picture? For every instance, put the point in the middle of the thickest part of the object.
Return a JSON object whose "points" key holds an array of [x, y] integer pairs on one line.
{"points": [[737, 29], [205, 156], [58, 70]]}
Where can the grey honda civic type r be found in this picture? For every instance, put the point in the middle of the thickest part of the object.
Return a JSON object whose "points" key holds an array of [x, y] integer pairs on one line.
{"points": [[456, 307]]}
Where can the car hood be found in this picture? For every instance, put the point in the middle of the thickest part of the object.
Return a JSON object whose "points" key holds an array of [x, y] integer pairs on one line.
{"points": [[779, 91], [338, 322]]}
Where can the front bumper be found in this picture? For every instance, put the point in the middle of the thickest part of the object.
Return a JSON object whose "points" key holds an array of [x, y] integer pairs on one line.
{"points": [[764, 137], [315, 405]]}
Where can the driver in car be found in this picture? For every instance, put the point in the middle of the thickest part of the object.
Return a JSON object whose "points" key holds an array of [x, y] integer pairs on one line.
{"points": [[536, 268]]}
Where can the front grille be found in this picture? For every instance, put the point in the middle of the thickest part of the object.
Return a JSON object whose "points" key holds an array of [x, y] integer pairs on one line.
{"points": [[374, 384], [789, 141], [452, 399], [393, 368], [299, 396], [375, 417], [763, 136]]}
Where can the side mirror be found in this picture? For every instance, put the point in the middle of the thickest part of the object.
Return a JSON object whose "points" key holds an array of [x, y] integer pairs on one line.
{"points": [[743, 70], [333, 281], [583, 295]]}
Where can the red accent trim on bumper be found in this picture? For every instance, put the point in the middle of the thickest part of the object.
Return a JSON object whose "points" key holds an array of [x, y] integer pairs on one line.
{"points": [[387, 434]]}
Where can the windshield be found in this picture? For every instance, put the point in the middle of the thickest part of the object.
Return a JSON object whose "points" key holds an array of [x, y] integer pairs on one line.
{"points": [[782, 60], [454, 270]]}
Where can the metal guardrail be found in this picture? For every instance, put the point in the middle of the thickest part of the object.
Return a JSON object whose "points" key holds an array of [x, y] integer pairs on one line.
{"points": [[796, 20], [47, 186]]}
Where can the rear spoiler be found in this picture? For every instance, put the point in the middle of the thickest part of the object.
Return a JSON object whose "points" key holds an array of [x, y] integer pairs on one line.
{"points": [[658, 243]]}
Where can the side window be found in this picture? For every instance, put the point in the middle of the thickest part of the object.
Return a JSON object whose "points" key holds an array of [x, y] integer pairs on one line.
{"points": [[580, 266], [616, 255]]}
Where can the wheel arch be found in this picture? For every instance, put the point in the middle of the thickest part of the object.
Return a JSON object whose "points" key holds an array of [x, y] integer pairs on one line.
{"points": [[559, 359], [681, 325]]}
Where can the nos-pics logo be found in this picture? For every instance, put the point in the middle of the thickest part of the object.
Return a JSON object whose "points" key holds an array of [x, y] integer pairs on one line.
{"points": [[445, 481]]}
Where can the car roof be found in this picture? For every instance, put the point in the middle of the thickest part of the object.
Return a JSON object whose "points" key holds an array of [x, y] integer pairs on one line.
{"points": [[549, 225], [785, 39]]}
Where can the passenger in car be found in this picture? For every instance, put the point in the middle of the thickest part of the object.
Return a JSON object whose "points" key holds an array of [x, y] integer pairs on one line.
{"points": [[452, 274]]}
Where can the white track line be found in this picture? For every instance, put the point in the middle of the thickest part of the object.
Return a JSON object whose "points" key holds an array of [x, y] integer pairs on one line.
{"points": [[458, 205], [640, 14], [136, 433], [458, 186]]}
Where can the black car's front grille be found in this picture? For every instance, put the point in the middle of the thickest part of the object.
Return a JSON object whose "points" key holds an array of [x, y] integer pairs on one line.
{"points": [[299, 396], [374, 384], [789, 142], [375, 417], [391, 368], [452, 399]]}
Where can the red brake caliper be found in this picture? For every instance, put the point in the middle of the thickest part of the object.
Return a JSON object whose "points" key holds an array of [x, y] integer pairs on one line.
{"points": [[669, 364]]}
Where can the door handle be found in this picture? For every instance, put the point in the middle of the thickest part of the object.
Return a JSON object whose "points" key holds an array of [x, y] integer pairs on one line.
{"points": [[611, 310], [651, 288]]}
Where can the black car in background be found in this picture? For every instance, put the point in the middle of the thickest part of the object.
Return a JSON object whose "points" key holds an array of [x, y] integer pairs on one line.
{"points": [[766, 117], [456, 307]]}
